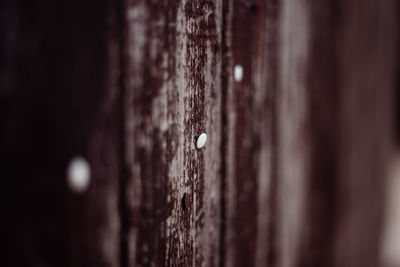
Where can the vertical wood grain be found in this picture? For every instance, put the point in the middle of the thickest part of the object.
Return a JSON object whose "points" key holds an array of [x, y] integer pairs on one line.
{"points": [[367, 62], [293, 129], [294, 168], [335, 91], [300, 173], [251, 32], [172, 95]]}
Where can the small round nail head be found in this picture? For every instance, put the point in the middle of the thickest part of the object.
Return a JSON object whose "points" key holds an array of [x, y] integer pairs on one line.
{"points": [[78, 174], [238, 73], [201, 141]]}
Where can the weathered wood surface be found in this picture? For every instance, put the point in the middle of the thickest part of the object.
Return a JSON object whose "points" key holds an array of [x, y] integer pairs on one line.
{"points": [[172, 94], [294, 167]]}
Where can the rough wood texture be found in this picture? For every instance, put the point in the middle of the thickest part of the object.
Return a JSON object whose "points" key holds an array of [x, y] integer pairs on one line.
{"points": [[293, 171], [172, 94], [59, 74]]}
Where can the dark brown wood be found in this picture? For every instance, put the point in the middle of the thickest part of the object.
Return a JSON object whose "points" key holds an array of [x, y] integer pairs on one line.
{"points": [[305, 178], [59, 74], [251, 172], [336, 82], [94, 218], [294, 168], [172, 95]]}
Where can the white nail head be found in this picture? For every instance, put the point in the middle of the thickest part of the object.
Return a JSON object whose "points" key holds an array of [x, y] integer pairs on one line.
{"points": [[201, 141], [238, 73], [78, 174]]}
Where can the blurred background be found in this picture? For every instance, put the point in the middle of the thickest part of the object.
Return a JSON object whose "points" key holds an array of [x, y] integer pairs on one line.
{"points": [[102, 104]]}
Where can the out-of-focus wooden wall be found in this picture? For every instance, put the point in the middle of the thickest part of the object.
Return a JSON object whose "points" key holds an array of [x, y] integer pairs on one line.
{"points": [[298, 100]]}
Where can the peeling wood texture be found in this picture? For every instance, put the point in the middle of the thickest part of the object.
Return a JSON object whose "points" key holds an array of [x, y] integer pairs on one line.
{"points": [[293, 173], [172, 94]]}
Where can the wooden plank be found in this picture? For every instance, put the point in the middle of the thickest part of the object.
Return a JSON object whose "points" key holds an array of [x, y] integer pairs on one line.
{"points": [[94, 219], [251, 132], [305, 150], [293, 170], [293, 129], [337, 76], [59, 98], [172, 94], [367, 71]]}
